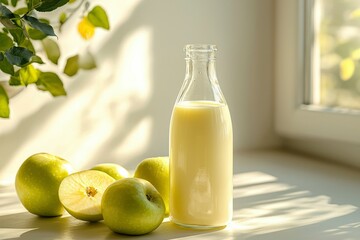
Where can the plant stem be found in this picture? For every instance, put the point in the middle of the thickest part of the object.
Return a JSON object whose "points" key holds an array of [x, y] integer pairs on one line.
{"points": [[73, 11]]}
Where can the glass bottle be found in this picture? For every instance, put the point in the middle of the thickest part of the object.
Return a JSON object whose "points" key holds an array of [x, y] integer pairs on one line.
{"points": [[201, 146]]}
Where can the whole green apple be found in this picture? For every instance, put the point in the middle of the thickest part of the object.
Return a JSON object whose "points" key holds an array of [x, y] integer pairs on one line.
{"points": [[132, 206], [114, 170], [156, 171], [37, 183]]}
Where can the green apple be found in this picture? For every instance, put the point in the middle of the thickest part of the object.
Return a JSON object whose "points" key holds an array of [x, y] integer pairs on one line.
{"points": [[156, 171], [80, 193], [132, 206], [114, 170], [37, 183]]}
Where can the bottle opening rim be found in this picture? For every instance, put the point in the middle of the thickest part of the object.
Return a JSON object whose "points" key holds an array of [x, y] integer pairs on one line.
{"points": [[205, 48], [200, 52]]}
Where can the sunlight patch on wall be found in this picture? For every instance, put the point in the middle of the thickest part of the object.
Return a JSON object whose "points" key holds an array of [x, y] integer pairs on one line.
{"points": [[133, 67], [103, 118], [136, 141], [118, 13]]}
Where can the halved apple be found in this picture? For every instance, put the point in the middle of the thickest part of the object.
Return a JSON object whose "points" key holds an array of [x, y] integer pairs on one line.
{"points": [[80, 193]]}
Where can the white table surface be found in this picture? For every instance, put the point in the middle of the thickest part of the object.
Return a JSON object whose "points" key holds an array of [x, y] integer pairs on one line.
{"points": [[277, 195]]}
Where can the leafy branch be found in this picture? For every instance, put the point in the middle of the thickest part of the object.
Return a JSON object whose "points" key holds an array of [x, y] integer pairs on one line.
{"points": [[22, 29]]}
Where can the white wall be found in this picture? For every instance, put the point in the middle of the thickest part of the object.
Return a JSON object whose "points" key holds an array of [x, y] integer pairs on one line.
{"points": [[121, 112]]}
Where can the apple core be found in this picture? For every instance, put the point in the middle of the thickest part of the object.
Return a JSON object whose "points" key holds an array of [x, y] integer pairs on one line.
{"points": [[91, 191]]}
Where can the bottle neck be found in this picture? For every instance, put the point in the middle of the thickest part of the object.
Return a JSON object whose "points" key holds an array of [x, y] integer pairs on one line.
{"points": [[200, 82], [201, 70], [200, 61]]}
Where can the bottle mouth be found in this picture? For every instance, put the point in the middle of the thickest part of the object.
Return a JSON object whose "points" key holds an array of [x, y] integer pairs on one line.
{"points": [[200, 51], [200, 48]]}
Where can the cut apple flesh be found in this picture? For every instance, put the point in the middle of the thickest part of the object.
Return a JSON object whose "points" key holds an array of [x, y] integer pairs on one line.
{"points": [[80, 194]]}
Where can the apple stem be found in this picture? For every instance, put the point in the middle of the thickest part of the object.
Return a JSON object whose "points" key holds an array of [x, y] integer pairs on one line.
{"points": [[148, 197], [91, 191]]}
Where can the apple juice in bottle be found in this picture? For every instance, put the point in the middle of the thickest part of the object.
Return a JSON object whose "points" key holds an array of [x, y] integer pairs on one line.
{"points": [[201, 146]]}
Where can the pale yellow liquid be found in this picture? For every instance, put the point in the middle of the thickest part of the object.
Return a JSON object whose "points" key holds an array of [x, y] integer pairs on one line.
{"points": [[201, 164]]}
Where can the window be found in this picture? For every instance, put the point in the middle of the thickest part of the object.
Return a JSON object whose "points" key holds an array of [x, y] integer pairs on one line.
{"points": [[334, 42], [317, 85]]}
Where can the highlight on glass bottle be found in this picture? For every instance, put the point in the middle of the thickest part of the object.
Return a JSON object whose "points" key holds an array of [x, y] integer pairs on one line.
{"points": [[201, 146]]}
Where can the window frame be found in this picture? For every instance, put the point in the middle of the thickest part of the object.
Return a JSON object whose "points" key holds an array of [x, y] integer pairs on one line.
{"points": [[294, 119]]}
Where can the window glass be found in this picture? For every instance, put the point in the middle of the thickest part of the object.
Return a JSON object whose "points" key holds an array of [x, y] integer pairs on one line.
{"points": [[336, 54]]}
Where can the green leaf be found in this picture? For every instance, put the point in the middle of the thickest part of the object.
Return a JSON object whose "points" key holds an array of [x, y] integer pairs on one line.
{"points": [[18, 56], [27, 48], [5, 66], [43, 27], [14, 3], [5, 42], [5, 12], [6, 2], [8, 23], [33, 3], [36, 59], [52, 50], [49, 81], [72, 66], [18, 35], [98, 17], [44, 20], [27, 44], [28, 75], [23, 27], [15, 80], [36, 34], [62, 18], [21, 11], [4, 103], [50, 5], [87, 61]]}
